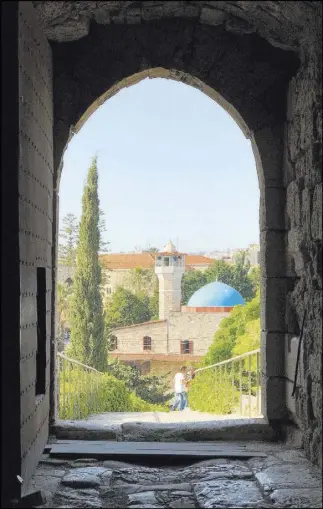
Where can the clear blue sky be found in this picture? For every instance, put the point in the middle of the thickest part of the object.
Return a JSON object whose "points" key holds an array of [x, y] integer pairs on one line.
{"points": [[172, 164]]}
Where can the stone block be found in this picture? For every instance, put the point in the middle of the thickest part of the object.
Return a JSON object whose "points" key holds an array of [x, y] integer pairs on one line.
{"points": [[273, 398], [272, 308], [293, 476], [316, 216], [272, 353], [81, 480], [272, 254], [298, 498], [224, 493], [78, 498], [211, 16], [272, 209], [269, 155]]}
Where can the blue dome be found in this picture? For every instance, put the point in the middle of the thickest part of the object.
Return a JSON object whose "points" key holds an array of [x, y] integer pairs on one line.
{"points": [[215, 294]]}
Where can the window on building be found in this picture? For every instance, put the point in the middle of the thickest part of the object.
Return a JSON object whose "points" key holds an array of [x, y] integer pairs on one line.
{"points": [[147, 343], [109, 290], [186, 346], [114, 343], [166, 261], [69, 281]]}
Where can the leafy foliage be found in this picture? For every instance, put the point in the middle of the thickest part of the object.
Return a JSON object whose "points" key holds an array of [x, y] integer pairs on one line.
{"points": [[88, 343], [231, 329], [86, 393], [125, 308], [254, 275], [211, 393], [235, 275], [153, 389], [191, 282], [154, 302], [64, 295], [68, 237], [141, 281]]}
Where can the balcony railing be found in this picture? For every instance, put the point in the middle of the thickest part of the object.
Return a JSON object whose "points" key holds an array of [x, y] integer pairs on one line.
{"points": [[238, 380], [78, 388]]}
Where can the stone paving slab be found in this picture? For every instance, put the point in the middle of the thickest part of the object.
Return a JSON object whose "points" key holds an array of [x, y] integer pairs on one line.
{"points": [[284, 479], [298, 497], [227, 493]]}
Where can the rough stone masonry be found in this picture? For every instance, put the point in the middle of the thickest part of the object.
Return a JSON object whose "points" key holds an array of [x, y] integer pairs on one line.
{"points": [[285, 478], [262, 62]]}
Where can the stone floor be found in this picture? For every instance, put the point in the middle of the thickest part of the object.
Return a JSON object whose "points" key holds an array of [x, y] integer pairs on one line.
{"points": [[167, 417], [285, 478]]}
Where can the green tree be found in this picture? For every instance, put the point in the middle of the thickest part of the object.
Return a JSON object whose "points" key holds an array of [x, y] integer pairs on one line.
{"points": [[68, 237], [88, 343], [254, 275], [191, 282], [235, 275], [141, 281], [230, 330], [250, 340], [154, 301], [102, 230], [125, 308], [64, 294], [241, 279], [151, 388], [220, 271]]}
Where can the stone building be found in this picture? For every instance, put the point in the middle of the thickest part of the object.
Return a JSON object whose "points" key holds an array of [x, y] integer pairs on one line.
{"points": [[261, 61], [118, 267], [181, 333]]}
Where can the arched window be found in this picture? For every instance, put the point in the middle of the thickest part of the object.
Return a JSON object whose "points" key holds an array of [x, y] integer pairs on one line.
{"points": [[147, 343], [186, 346]]}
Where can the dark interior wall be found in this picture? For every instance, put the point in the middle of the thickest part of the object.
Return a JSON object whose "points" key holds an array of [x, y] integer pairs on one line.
{"points": [[303, 181], [10, 279], [249, 73], [35, 235]]}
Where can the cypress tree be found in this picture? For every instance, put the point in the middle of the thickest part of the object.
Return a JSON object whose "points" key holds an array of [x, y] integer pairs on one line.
{"points": [[88, 344]]}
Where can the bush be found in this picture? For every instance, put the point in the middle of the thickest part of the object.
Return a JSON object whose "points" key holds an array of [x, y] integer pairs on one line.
{"points": [[84, 393], [231, 329], [210, 392], [151, 388]]}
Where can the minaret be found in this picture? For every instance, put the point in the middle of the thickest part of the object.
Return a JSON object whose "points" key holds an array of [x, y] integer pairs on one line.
{"points": [[169, 268]]}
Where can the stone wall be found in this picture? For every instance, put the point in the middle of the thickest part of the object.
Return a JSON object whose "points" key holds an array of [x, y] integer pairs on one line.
{"points": [[130, 339], [35, 236], [244, 55], [303, 180], [196, 327], [167, 335]]}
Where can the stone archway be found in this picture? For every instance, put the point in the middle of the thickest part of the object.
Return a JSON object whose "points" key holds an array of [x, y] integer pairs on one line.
{"points": [[254, 112], [249, 53]]}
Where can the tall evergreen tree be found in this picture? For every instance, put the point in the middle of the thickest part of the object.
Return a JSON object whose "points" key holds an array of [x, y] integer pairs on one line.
{"points": [[88, 344], [68, 237]]}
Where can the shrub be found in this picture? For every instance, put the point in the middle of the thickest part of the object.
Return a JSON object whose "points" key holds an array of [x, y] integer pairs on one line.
{"points": [[210, 392], [84, 393]]}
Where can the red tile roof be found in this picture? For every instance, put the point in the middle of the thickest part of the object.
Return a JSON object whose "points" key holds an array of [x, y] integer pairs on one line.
{"points": [[146, 260]]}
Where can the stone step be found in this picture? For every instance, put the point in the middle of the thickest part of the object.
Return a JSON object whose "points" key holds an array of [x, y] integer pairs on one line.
{"points": [[227, 430]]}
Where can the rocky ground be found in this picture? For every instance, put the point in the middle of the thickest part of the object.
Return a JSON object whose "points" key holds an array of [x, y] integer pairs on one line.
{"points": [[285, 478]]}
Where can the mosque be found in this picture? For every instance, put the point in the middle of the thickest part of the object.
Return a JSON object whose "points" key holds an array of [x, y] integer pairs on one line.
{"points": [[182, 333]]}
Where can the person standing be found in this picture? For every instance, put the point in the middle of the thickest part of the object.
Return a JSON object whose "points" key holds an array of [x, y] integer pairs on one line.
{"points": [[179, 389]]}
